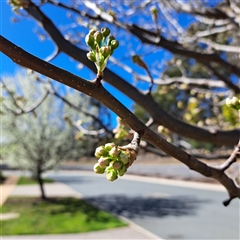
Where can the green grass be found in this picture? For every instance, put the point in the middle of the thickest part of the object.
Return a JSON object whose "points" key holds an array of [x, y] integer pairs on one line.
{"points": [[55, 216], [27, 180]]}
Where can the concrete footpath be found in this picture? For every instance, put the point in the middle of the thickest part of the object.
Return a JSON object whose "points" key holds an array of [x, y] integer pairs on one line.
{"points": [[132, 231], [7, 188]]}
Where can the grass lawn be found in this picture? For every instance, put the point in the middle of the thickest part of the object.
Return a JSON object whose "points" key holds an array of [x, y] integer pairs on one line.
{"points": [[54, 216], [27, 180]]}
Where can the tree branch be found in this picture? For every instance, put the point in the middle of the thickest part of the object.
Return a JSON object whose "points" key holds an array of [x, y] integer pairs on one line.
{"points": [[70, 104], [98, 92], [159, 115], [231, 159], [216, 46], [20, 110], [150, 37]]}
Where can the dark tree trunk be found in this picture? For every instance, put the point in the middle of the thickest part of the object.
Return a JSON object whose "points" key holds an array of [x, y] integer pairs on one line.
{"points": [[40, 182]]}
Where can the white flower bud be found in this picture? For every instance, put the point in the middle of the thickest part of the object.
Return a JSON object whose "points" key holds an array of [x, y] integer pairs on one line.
{"points": [[100, 151]]}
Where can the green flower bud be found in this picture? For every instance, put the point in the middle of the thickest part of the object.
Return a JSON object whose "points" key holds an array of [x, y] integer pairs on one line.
{"points": [[114, 44], [89, 39], [136, 58], [98, 36], [106, 51], [104, 162], [110, 39], [92, 31], [100, 151], [91, 56], [111, 175], [105, 31], [79, 136], [98, 169], [110, 167], [109, 146], [122, 171], [114, 152], [124, 157], [154, 10], [117, 165]]}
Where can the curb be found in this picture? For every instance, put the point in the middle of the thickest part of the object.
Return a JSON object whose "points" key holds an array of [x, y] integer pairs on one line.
{"points": [[177, 183], [140, 229]]}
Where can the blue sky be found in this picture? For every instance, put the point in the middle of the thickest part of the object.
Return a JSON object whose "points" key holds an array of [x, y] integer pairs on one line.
{"points": [[23, 33]]}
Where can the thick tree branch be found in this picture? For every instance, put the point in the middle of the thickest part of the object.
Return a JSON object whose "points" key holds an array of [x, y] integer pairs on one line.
{"points": [[98, 92], [159, 115]]}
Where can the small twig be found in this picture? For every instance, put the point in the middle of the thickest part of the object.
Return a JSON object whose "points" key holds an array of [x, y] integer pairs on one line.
{"points": [[53, 55], [227, 201], [152, 82], [79, 109], [88, 132], [231, 159], [11, 95], [150, 122], [29, 109]]}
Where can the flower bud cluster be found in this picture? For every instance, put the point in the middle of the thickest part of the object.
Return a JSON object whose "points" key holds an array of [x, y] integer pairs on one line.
{"points": [[233, 102], [102, 46], [111, 160]]}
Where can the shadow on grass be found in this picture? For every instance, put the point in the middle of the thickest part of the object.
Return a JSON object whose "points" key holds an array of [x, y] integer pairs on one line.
{"points": [[131, 207], [55, 216], [74, 205]]}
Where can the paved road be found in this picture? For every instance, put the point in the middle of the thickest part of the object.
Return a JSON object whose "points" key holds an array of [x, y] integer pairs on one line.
{"points": [[168, 211]]}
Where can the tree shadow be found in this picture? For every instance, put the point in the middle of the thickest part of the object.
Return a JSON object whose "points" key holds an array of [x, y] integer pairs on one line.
{"points": [[131, 207], [74, 206]]}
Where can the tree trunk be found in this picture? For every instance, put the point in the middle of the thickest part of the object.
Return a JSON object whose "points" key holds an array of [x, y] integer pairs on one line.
{"points": [[40, 182]]}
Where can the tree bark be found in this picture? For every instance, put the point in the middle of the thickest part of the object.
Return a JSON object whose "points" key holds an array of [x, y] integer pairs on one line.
{"points": [[40, 182]]}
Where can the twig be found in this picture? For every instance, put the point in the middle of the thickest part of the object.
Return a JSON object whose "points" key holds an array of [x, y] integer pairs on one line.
{"points": [[79, 126], [231, 159], [20, 110]]}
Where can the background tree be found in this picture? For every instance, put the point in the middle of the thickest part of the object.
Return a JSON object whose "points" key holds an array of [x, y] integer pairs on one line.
{"points": [[201, 57], [35, 136]]}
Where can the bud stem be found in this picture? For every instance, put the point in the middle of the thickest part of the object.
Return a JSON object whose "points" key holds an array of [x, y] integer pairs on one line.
{"points": [[98, 79]]}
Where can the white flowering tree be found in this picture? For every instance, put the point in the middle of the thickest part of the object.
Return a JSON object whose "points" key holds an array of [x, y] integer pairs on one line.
{"points": [[40, 130]]}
